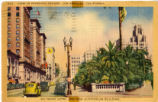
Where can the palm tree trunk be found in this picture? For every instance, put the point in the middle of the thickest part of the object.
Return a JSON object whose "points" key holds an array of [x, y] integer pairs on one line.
{"points": [[120, 27]]}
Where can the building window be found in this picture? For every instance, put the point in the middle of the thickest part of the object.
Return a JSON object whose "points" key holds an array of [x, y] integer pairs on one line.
{"points": [[17, 26], [9, 26], [9, 39], [17, 14], [17, 51], [9, 14], [9, 8], [9, 20], [17, 20], [9, 33], [9, 45], [141, 45], [17, 44], [17, 32], [140, 31], [17, 38], [17, 8]]}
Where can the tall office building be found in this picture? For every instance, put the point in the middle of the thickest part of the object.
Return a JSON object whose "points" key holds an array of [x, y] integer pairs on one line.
{"points": [[19, 35], [75, 62], [37, 49], [88, 55], [138, 39], [43, 46], [50, 59], [19, 31]]}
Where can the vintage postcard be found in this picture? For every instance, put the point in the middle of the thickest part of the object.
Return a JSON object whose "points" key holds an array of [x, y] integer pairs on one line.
{"points": [[79, 51]]}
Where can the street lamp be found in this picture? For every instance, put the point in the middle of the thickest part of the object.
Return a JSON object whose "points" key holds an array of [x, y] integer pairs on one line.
{"points": [[67, 46]]}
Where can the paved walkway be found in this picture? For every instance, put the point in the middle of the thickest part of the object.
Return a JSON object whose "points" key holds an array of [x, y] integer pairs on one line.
{"points": [[145, 90], [15, 93]]}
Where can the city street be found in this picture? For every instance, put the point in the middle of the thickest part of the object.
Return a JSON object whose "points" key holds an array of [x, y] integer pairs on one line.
{"points": [[54, 90], [19, 92]]}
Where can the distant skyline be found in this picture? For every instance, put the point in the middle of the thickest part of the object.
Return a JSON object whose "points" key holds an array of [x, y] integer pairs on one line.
{"points": [[91, 27]]}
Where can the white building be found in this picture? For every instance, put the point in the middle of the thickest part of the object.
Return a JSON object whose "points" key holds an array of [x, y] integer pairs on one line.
{"points": [[88, 55], [50, 59], [75, 62]]}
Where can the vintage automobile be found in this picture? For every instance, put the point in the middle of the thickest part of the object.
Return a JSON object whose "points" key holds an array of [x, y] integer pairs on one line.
{"points": [[32, 89], [51, 83], [44, 86]]}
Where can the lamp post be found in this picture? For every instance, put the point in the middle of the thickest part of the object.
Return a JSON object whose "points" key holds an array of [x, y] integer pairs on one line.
{"points": [[67, 46]]}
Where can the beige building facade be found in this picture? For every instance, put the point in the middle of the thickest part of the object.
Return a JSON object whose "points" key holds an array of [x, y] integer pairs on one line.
{"points": [[20, 42], [13, 67]]}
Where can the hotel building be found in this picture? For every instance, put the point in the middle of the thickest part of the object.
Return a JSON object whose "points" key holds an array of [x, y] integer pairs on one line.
{"points": [[20, 43]]}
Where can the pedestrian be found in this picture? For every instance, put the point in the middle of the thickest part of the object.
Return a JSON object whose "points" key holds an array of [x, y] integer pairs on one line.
{"points": [[74, 86]]}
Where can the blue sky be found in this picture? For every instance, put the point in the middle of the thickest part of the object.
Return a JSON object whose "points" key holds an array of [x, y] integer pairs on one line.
{"points": [[109, 12], [91, 27]]}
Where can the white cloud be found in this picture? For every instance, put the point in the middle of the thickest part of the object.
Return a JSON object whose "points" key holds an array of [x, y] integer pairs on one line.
{"points": [[91, 32]]}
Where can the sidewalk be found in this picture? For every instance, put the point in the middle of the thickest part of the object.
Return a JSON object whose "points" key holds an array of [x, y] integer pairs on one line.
{"points": [[15, 92], [144, 91]]}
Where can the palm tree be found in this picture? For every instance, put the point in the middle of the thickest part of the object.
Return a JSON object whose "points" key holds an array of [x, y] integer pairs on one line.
{"points": [[120, 28], [122, 14], [127, 65], [110, 61]]}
